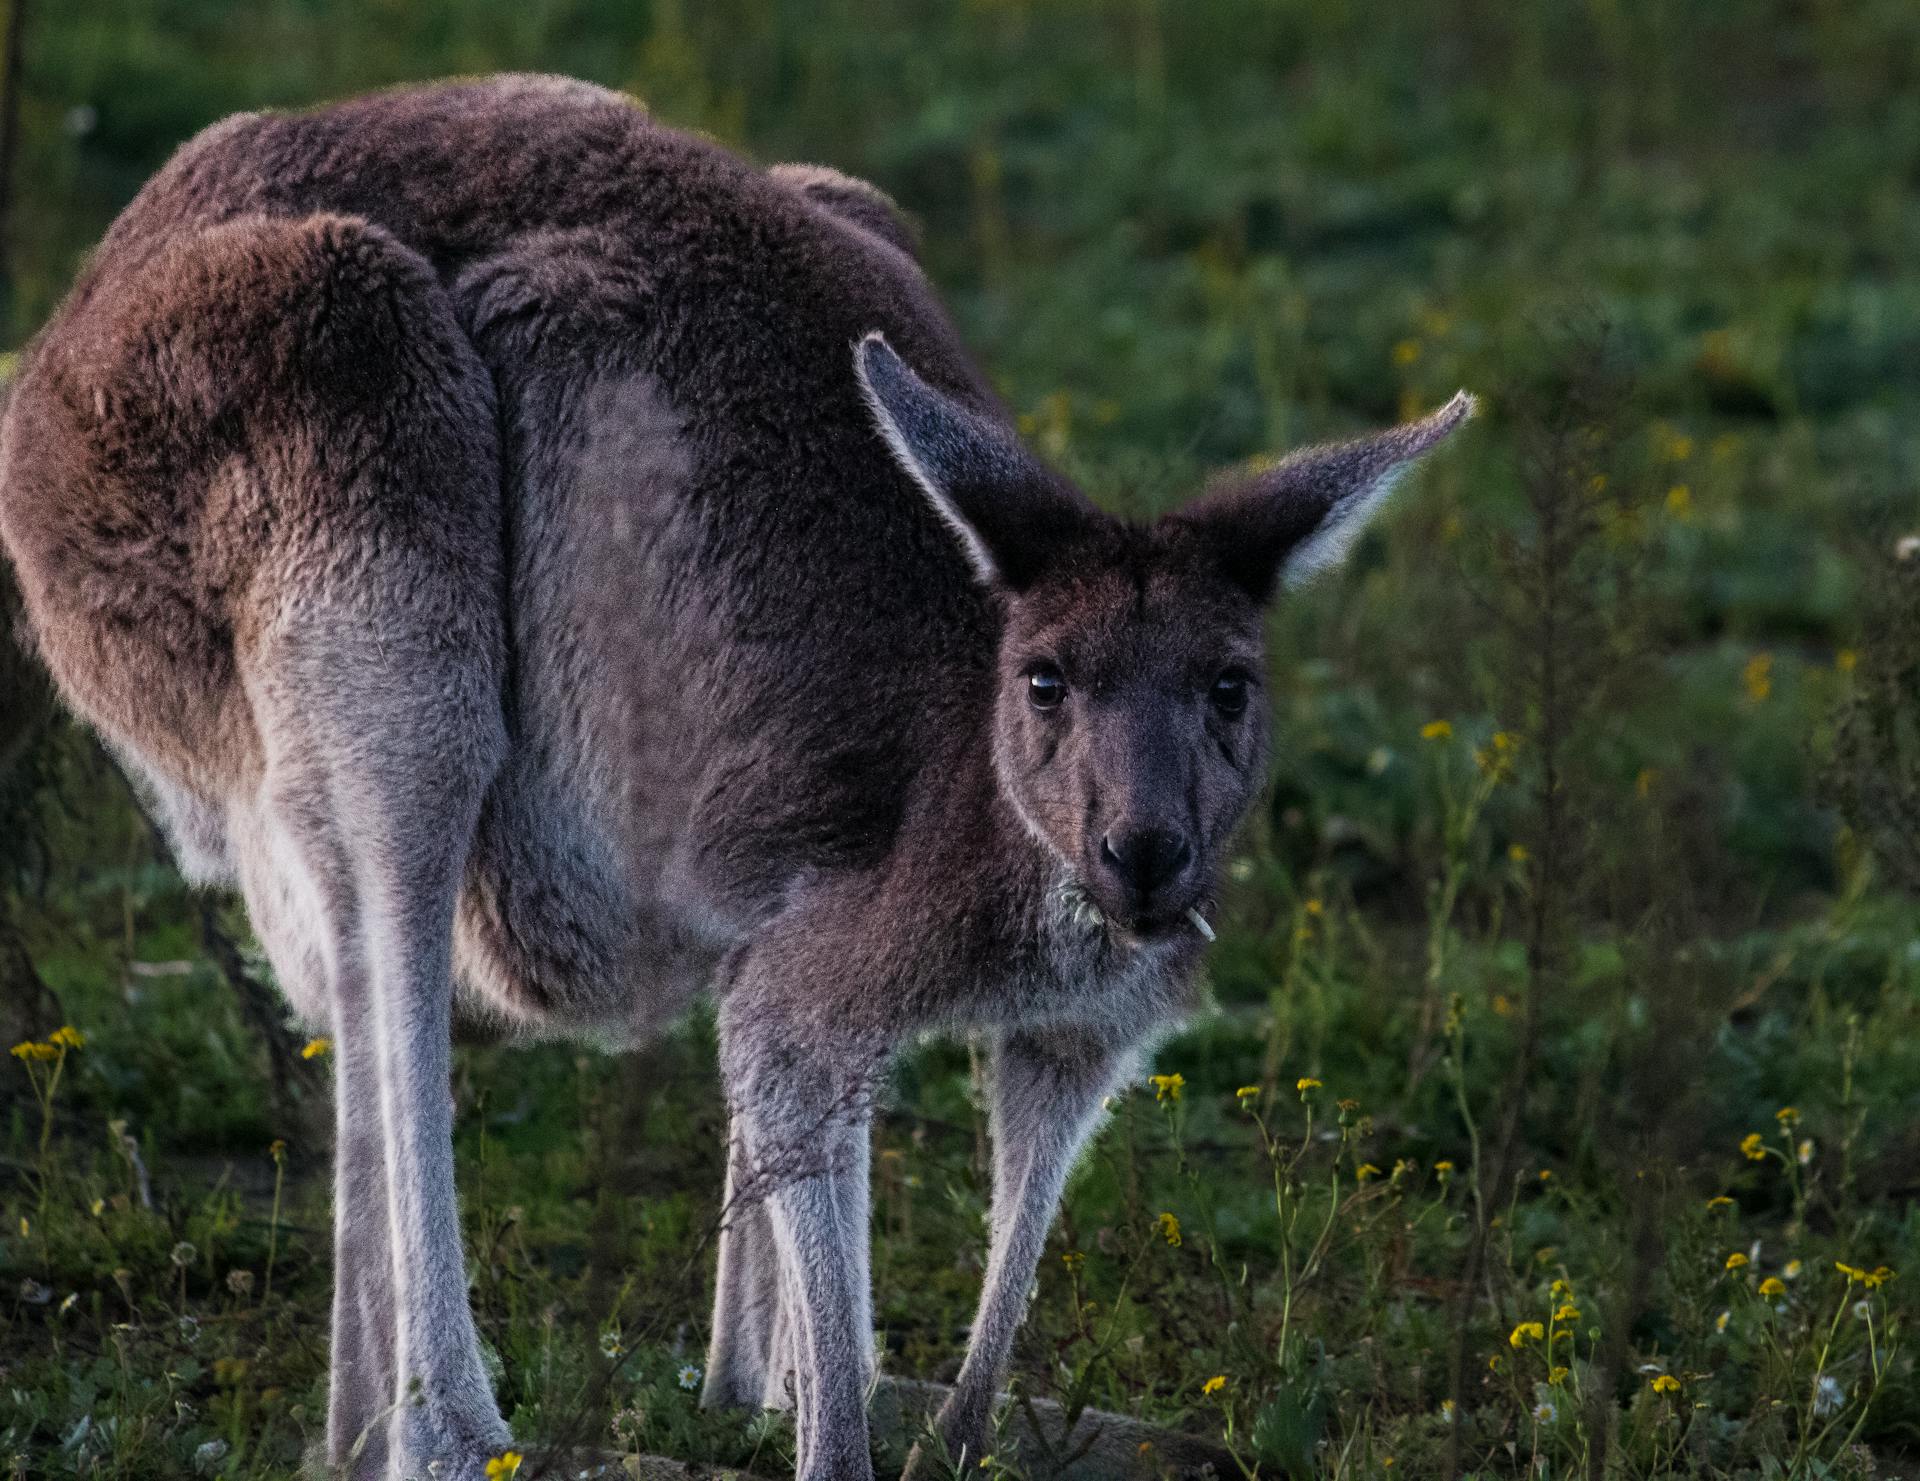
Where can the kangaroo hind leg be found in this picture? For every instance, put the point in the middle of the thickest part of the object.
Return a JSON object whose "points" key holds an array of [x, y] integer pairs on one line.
{"points": [[371, 651], [353, 862]]}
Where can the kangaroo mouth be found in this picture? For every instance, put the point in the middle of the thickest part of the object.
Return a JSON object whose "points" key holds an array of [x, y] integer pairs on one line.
{"points": [[1138, 927], [1164, 926]]}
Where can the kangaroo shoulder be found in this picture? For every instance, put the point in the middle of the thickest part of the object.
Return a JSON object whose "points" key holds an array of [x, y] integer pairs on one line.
{"points": [[857, 202]]}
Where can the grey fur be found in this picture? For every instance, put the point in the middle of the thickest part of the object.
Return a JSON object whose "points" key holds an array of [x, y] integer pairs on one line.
{"points": [[463, 511]]}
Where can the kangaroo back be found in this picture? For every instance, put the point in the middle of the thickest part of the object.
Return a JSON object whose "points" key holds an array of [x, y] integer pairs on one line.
{"points": [[673, 477]]}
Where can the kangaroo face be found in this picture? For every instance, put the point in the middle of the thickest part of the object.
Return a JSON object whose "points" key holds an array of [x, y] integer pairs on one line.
{"points": [[1129, 729]]}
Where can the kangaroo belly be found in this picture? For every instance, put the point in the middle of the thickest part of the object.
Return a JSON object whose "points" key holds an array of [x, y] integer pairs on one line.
{"points": [[557, 931], [580, 907]]}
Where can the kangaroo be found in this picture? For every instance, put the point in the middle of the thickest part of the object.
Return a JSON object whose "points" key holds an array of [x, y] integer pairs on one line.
{"points": [[555, 568]]}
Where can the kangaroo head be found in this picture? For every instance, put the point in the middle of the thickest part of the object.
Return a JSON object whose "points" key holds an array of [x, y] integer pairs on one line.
{"points": [[1129, 733]]}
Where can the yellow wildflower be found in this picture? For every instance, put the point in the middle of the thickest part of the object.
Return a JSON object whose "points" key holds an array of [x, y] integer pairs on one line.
{"points": [[1680, 502], [1526, 1332], [1168, 1087], [1720, 1322], [231, 1370], [313, 1049], [1791, 1270], [30, 1050], [1315, 907], [1444, 1167], [1496, 759], [1736, 1260], [68, 1037], [1787, 1116], [1170, 1229], [1073, 1259], [1871, 1279], [1214, 1384], [504, 1467], [1247, 1094], [1753, 1147], [1568, 1312], [1773, 1286], [1557, 1375], [1518, 853], [1306, 1083], [1719, 1200], [1435, 730], [1666, 1383], [1366, 1170]]}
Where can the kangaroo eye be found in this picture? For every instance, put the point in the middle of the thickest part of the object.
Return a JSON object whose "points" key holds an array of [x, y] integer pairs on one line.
{"points": [[1229, 694], [1046, 687]]}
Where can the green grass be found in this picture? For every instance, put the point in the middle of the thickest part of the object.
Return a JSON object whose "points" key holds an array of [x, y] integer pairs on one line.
{"points": [[1673, 245]]}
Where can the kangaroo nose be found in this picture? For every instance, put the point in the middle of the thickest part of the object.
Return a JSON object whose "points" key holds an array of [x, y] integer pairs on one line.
{"points": [[1145, 858]]}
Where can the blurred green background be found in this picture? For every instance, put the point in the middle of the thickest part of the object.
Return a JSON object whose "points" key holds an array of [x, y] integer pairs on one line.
{"points": [[1676, 248]]}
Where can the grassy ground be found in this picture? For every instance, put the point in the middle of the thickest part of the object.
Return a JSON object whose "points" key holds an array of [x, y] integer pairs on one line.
{"points": [[1558, 1113]]}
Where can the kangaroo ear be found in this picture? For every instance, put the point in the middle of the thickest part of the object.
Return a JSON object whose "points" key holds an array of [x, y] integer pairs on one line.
{"points": [[1008, 511], [1302, 516]]}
